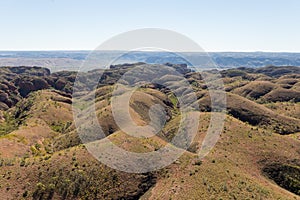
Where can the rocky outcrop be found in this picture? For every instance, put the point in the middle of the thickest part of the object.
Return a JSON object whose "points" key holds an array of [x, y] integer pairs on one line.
{"points": [[18, 82]]}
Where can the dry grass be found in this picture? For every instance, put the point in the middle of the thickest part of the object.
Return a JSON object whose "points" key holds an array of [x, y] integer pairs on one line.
{"points": [[44, 158], [232, 170], [255, 89]]}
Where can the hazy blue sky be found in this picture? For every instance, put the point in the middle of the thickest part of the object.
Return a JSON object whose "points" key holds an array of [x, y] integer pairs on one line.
{"points": [[224, 25]]}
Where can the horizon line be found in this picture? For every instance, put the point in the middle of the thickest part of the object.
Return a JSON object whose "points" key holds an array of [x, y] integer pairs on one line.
{"points": [[85, 50]]}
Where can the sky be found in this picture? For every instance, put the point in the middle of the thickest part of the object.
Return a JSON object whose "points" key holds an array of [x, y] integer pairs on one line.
{"points": [[231, 25]]}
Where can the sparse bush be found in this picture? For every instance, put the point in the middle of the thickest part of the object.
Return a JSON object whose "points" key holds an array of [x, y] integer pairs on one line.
{"points": [[198, 162], [25, 194], [22, 163]]}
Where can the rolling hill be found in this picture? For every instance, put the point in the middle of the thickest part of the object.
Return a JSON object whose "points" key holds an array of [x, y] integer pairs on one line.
{"points": [[43, 157]]}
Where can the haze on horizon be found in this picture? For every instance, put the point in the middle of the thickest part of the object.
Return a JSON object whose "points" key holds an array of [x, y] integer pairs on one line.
{"points": [[217, 26]]}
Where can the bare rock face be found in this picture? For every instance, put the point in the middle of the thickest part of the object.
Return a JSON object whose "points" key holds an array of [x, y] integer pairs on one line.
{"points": [[3, 106], [181, 68], [18, 82], [29, 71], [9, 95], [1, 116], [30, 84]]}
